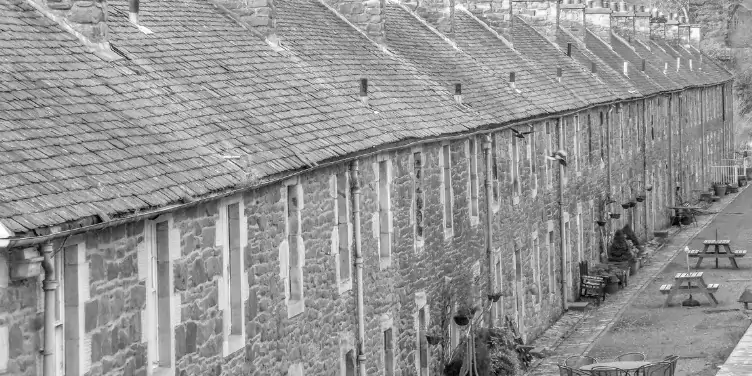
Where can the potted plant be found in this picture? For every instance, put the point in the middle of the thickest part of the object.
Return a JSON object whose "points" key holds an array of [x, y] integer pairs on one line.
{"points": [[719, 189], [433, 339], [625, 205], [601, 223], [615, 215], [464, 314], [742, 181], [494, 297], [612, 284]]}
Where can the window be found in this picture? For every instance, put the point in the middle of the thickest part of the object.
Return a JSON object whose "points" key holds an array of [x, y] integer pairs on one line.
{"points": [[576, 153], [383, 169], [536, 268], [602, 131], [418, 199], [580, 235], [4, 349], [421, 326], [473, 184], [519, 301], [593, 234], [499, 287], [531, 150], [343, 213], [621, 130], [446, 188], [589, 139], [514, 168], [549, 151], [563, 136], [388, 352], [295, 251], [552, 260], [59, 261], [494, 168]]}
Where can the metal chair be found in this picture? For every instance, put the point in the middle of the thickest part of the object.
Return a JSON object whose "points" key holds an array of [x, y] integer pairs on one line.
{"points": [[609, 371], [569, 371], [576, 361], [672, 360], [631, 356], [654, 369]]}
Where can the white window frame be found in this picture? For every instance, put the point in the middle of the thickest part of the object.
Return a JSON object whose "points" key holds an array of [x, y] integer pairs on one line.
{"points": [[496, 203], [594, 252], [294, 307], [535, 245], [549, 150], [343, 285], [418, 241], [446, 173], [514, 168], [577, 170], [472, 166], [147, 271], [83, 343], [550, 246], [347, 344], [385, 261], [499, 281], [386, 322], [295, 369], [580, 234], [4, 347]]}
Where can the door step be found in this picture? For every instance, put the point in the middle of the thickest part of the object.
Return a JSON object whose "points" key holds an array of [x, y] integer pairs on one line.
{"points": [[578, 306]]}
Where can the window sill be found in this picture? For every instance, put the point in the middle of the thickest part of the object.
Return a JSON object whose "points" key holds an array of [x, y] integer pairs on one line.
{"points": [[235, 342], [345, 286], [295, 307], [160, 371], [515, 200], [534, 193], [448, 233], [474, 221]]}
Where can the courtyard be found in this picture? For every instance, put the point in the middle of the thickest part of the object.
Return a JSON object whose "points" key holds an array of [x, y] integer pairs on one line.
{"points": [[635, 319]]}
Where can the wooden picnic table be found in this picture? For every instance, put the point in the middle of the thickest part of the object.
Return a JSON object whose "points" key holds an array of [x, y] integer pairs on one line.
{"points": [[694, 283], [720, 249], [690, 212]]}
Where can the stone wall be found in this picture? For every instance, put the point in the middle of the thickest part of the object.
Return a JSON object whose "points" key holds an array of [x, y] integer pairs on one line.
{"points": [[20, 322]]}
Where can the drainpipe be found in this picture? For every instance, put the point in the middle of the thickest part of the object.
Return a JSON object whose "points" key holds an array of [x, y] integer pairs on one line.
{"points": [[702, 138], [645, 166], [49, 285], [489, 224], [562, 248], [355, 184], [671, 180]]}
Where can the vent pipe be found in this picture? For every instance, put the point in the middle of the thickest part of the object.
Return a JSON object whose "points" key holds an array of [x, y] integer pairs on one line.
{"points": [[558, 74], [133, 11], [643, 65], [569, 49], [364, 90], [511, 80], [458, 93], [593, 68]]}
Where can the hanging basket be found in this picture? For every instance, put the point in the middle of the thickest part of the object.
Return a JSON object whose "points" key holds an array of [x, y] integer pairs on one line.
{"points": [[649, 188], [601, 223], [625, 205], [615, 215], [461, 320], [640, 198], [632, 204], [433, 340], [494, 297]]}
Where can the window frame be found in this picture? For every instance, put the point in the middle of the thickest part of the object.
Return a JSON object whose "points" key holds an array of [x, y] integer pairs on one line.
{"points": [[473, 187], [446, 194], [383, 214], [294, 306], [343, 277]]}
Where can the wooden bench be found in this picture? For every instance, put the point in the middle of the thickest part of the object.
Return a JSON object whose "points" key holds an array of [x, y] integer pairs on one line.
{"points": [[740, 253], [593, 287], [713, 287], [665, 289]]}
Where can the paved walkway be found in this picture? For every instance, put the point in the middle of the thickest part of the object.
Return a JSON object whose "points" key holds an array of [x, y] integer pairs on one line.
{"points": [[739, 363], [576, 332]]}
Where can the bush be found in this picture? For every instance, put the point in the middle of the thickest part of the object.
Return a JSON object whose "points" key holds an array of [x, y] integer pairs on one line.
{"points": [[495, 351], [619, 249]]}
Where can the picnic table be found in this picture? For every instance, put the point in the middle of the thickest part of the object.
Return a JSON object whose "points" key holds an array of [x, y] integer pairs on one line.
{"points": [[694, 283], [721, 249], [689, 211]]}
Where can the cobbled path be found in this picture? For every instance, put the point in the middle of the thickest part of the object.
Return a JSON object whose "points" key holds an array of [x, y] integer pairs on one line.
{"points": [[577, 331]]}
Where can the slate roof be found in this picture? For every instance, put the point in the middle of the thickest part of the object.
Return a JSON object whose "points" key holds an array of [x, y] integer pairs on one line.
{"points": [[536, 47], [630, 53], [83, 137]]}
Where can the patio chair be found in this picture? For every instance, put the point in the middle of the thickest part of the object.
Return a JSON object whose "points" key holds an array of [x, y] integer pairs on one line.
{"points": [[631, 356], [654, 369], [672, 359], [577, 361], [569, 371], [609, 371]]}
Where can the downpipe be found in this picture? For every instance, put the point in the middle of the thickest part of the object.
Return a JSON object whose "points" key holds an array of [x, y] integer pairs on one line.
{"points": [[355, 196], [562, 248], [49, 284], [489, 225]]}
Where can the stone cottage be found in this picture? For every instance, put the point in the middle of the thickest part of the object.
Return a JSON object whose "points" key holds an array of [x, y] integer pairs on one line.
{"points": [[310, 187]]}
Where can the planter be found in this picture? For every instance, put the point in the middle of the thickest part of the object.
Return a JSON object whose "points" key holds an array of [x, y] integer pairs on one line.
{"points": [[461, 320], [649, 188], [433, 340], [742, 181], [632, 204], [719, 190], [612, 287], [732, 189], [634, 266], [494, 297], [601, 223], [615, 215], [640, 198], [625, 205]]}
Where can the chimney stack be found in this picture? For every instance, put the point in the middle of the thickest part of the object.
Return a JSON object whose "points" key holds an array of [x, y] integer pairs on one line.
{"points": [[87, 20], [367, 15], [260, 14], [642, 25], [695, 36], [672, 30], [542, 15], [572, 17], [622, 21], [658, 27], [598, 21], [684, 32]]}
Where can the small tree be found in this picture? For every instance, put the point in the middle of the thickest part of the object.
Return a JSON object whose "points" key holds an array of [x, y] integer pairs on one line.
{"points": [[619, 249]]}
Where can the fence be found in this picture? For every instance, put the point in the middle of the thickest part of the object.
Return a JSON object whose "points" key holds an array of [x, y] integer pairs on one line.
{"points": [[730, 171]]}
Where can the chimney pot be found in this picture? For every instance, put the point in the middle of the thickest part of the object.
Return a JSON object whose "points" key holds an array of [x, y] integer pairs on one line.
{"points": [[569, 49]]}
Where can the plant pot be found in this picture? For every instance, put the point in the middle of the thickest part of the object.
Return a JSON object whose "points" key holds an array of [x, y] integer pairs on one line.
{"points": [[719, 190], [625, 205], [601, 223], [494, 297], [461, 320], [686, 220], [433, 340], [612, 287], [615, 215], [742, 181], [632, 204], [649, 188], [640, 198], [634, 266]]}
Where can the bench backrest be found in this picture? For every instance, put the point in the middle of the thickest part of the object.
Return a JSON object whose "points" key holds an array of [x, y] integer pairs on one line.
{"points": [[593, 280]]}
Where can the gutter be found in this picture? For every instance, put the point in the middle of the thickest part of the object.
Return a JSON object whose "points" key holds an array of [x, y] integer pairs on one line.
{"points": [[9, 243]]}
